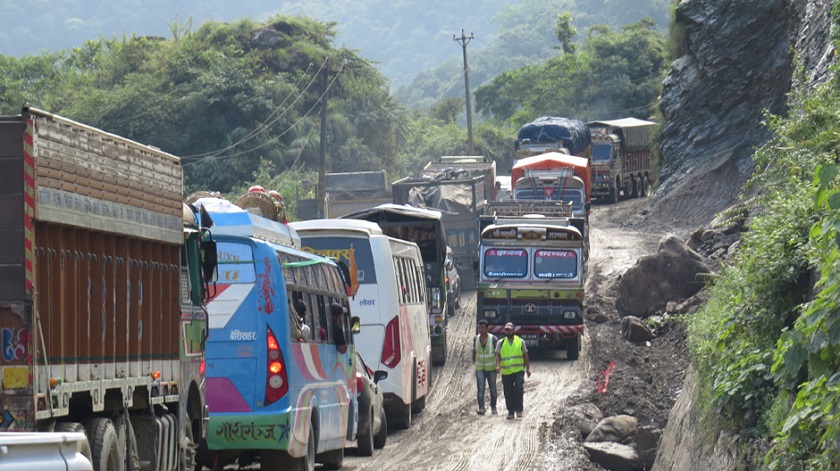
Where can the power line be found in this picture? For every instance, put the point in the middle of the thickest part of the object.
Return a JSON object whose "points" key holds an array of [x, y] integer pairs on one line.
{"points": [[263, 126], [277, 137]]}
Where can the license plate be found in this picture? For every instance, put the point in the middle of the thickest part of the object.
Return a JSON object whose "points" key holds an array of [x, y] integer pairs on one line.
{"points": [[531, 340]]}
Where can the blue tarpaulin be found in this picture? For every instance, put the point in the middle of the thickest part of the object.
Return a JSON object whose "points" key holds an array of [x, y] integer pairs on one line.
{"points": [[549, 129]]}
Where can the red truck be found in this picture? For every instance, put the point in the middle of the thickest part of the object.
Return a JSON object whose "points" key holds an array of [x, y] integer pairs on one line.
{"points": [[622, 161], [102, 293]]}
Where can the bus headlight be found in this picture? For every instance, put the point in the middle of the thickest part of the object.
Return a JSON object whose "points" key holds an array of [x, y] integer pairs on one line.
{"points": [[569, 314], [490, 314]]}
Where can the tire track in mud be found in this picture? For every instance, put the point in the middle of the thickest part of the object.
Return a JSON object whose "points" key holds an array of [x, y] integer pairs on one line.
{"points": [[450, 436]]}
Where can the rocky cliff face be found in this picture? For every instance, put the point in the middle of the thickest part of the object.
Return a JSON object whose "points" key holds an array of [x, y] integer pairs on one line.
{"points": [[739, 60]]}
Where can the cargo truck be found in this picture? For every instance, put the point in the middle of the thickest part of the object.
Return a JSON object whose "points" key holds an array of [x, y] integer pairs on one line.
{"points": [[475, 165], [532, 272], [102, 293], [460, 198], [622, 161], [553, 134]]}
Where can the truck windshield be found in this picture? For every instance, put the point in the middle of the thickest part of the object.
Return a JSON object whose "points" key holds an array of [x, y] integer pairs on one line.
{"points": [[551, 264], [505, 263], [601, 152]]}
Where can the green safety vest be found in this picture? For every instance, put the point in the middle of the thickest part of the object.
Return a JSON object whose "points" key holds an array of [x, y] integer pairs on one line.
{"points": [[485, 358], [513, 360]]}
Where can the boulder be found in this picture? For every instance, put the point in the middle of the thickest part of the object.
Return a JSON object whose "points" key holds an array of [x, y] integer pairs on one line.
{"points": [[614, 456], [647, 442], [674, 272], [585, 417], [634, 330], [614, 429]]}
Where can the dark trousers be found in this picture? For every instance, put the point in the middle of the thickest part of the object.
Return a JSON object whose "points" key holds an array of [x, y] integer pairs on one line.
{"points": [[514, 387]]}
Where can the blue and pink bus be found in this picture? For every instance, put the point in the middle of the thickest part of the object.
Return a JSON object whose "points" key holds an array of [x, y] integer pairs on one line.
{"points": [[278, 386]]}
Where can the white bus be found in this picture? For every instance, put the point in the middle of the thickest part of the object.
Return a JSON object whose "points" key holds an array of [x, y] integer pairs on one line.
{"points": [[390, 302]]}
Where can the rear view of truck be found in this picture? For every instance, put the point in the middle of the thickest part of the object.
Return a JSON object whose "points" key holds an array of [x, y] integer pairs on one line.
{"points": [[101, 293], [461, 199]]}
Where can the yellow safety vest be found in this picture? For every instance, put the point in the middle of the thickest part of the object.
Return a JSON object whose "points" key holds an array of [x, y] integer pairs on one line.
{"points": [[512, 358], [485, 358]]}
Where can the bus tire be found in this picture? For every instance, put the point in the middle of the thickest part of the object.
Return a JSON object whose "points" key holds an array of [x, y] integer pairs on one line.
{"points": [[333, 459], [104, 444], [380, 438], [277, 459], [573, 348]]}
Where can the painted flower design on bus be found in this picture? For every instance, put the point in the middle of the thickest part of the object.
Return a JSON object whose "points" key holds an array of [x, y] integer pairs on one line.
{"points": [[266, 289]]}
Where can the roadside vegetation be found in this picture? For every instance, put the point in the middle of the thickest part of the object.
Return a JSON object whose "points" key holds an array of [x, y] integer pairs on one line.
{"points": [[240, 102], [767, 344]]}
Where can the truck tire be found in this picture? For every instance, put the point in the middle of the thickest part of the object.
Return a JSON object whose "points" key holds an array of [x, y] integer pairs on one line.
{"points": [[573, 348], [104, 444], [645, 186], [613, 196], [628, 188], [635, 193]]}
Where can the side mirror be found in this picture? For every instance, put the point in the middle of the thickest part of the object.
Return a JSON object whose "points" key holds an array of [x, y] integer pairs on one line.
{"points": [[379, 375], [355, 325], [209, 259]]}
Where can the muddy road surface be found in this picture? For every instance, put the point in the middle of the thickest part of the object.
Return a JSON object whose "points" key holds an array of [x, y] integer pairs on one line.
{"points": [[449, 435]]}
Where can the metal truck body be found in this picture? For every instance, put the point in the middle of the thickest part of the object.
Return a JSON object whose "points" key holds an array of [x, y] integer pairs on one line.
{"points": [[532, 272], [622, 161], [102, 305], [476, 165], [352, 191], [461, 200]]}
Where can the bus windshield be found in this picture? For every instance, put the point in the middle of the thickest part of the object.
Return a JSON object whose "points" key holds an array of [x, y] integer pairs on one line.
{"points": [[505, 263], [551, 264]]}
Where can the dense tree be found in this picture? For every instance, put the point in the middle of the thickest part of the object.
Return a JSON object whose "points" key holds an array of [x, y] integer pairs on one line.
{"points": [[613, 74]]}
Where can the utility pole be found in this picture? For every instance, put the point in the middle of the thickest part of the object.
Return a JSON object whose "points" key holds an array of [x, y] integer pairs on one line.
{"points": [[322, 153], [464, 40]]}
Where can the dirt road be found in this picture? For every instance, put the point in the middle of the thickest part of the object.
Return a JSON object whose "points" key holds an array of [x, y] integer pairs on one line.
{"points": [[449, 435]]}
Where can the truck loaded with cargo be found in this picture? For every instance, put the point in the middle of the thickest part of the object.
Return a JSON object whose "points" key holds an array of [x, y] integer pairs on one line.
{"points": [[102, 293], [475, 165], [622, 161], [460, 197], [553, 134]]}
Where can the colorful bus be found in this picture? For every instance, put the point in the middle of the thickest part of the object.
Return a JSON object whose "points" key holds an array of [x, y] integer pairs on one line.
{"points": [[391, 302], [278, 385], [532, 272]]}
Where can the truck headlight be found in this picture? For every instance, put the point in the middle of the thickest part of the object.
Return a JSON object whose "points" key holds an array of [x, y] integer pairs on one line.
{"points": [[569, 314], [490, 314]]}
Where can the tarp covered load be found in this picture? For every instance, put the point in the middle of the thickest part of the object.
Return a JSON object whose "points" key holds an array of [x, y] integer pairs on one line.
{"points": [[573, 133]]}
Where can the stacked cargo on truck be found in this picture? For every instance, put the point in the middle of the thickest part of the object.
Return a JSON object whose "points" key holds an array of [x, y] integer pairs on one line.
{"points": [[102, 293], [553, 134], [473, 165], [622, 160], [460, 198]]}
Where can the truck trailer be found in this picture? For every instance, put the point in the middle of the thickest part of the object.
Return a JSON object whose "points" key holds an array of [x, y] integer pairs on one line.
{"points": [[622, 161], [102, 293]]}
